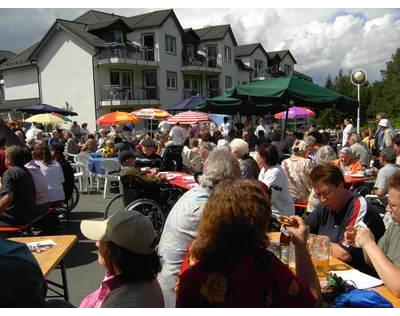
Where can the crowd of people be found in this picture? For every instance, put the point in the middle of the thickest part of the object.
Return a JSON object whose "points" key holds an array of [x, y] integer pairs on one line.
{"points": [[213, 250]]}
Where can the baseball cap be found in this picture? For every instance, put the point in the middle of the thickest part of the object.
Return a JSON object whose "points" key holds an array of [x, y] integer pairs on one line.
{"points": [[383, 122], [22, 281], [130, 230]]}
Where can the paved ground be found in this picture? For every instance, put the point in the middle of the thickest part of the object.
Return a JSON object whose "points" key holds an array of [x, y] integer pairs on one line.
{"points": [[83, 272]]}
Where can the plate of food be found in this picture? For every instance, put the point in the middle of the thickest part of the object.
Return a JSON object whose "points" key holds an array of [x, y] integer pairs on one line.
{"points": [[188, 178]]}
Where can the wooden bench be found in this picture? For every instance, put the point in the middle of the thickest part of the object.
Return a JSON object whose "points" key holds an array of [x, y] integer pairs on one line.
{"points": [[20, 229]]}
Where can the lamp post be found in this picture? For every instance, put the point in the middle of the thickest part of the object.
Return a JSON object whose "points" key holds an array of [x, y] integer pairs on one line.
{"points": [[358, 77]]}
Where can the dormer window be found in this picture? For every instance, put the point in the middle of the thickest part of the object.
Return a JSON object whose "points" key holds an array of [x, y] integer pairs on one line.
{"points": [[117, 37]]}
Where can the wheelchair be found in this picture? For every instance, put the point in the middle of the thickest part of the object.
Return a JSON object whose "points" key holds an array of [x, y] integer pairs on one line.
{"points": [[152, 197]]}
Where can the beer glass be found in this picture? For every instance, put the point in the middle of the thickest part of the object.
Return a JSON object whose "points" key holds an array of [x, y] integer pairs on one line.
{"points": [[320, 254]]}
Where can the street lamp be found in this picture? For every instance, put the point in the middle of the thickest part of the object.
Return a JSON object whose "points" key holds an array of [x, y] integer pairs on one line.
{"points": [[358, 77]]}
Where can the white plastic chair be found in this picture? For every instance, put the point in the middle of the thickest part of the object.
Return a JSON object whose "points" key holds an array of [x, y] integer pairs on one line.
{"points": [[111, 169], [83, 175]]}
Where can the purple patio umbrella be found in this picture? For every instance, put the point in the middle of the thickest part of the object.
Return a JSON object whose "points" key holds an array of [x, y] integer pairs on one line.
{"points": [[295, 112]]}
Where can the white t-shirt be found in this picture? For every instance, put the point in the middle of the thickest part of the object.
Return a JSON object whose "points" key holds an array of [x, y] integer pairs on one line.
{"points": [[178, 135], [164, 127], [40, 183], [55, 179], [282, 201], [225, 128], [346, 133], [266, 128], [31, 133]]}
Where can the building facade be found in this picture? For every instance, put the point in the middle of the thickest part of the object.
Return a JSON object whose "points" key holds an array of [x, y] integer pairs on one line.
{"points": [[103, 62]]}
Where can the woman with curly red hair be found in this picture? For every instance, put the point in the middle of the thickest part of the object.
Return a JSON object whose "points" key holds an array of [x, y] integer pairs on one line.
{"points": [[228, 264]]}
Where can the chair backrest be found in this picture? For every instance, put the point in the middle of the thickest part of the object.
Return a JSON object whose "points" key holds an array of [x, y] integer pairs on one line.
{"points": [[110, 166], [83, 158]]}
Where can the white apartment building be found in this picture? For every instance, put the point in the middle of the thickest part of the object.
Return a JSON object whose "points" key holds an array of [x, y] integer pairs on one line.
{"points": [[103, 62]]}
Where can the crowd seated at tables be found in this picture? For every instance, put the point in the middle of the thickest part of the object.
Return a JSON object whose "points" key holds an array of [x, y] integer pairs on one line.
{"points": [[219, 226]]}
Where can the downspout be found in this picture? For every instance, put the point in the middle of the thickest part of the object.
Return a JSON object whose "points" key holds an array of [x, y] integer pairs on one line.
{"points": [[34, 63], [94, 86]]}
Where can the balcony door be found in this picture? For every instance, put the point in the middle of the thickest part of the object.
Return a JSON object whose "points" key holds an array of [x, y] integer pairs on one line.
{"points": [[121, 84], [212, 56], [212, 87], [149, 44], [150, 84]]}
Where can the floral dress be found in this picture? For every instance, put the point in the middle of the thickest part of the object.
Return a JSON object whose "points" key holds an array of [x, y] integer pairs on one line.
{"points": [[259, 279]]}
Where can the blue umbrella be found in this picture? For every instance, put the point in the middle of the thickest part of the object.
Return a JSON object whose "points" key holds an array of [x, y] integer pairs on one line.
{"points": [[187, 104]]}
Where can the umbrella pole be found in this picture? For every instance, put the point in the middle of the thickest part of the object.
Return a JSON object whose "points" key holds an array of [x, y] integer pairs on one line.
{"points": [[284, 126]]}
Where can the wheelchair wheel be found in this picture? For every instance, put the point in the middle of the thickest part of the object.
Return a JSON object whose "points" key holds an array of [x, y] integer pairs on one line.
{"points": [[74, 198], [150, 209], [116, 204]]}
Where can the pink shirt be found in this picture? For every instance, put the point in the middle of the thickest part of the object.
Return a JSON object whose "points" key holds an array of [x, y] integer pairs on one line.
{"points": [[95, 299]]}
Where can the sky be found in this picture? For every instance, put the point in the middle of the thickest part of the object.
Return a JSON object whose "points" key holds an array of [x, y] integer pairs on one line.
{"points": [[321, 40]]}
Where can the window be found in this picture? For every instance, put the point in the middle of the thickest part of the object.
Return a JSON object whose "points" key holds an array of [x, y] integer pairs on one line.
{"points": [[172, 80], [150, 85], [170, 44], [121, 84], [287, 69], [117, 37], [228, 82], [258, 68], [228, 54]]}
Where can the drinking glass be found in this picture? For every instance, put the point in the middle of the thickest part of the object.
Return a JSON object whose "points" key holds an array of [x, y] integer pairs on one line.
{"points": [[320, 254]]}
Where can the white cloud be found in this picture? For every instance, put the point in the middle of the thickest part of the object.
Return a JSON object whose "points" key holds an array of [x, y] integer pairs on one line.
{"points": [[321, 40]]}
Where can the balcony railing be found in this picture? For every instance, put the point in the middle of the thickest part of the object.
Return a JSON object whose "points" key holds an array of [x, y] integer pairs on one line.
{"points": [[127, 53], [126, 94], [208, 62]]}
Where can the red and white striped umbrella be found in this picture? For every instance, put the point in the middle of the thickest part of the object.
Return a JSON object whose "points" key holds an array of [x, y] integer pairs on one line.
{"points": [[189, 117]]}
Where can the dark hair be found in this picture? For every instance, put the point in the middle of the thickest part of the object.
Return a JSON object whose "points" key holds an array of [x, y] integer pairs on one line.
{"points": [[235, 220], [134, 267], [269, 153], [16, 156], [388, 154], [394, 181], [2, 141], [117, 139], [148, 143], [58, 152], [41, 152], [327, 173], [90, 136], [317, 135], [396, 139], [260, 133]]}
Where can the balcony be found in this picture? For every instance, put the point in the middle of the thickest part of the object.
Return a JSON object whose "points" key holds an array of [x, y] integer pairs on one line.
{"points": [[114, 96], [206, 65], [123, 54], [260, 74]]}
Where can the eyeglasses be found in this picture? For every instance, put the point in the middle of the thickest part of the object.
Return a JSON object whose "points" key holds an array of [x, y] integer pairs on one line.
{"points": [[393, 207], [325, 195]]}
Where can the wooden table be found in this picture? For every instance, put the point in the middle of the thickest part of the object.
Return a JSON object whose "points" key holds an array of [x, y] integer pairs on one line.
{"points": [[52, 257], [336, 264]]}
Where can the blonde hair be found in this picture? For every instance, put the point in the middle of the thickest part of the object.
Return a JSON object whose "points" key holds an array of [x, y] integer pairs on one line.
{"points": [[299, 146]]}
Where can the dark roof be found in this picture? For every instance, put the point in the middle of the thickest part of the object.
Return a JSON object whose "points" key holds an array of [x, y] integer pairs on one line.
{"points": [[102, 25], [245, 50], [243, 65], [215, 33], [152, 19], [281, 54], [93, 16], [20, 59], [80, 30], [5, 55]]}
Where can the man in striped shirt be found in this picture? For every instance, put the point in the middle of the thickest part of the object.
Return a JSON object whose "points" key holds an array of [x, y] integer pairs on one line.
{"points": [[338, 209]]}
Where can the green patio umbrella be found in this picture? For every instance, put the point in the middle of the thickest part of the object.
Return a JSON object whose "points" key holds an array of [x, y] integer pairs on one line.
{"points": [[276, 94]]}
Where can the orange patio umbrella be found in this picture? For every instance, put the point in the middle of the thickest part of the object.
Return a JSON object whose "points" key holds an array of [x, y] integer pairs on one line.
{"points": [[119, 118], [151, 114]]}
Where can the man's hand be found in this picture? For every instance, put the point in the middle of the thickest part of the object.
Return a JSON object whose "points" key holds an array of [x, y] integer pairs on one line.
{"points": [[299, 232], [349, 236], [364, 237]]}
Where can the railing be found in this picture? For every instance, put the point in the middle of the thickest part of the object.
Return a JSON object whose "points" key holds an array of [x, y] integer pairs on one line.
{"points": [[209, 62], [125, 94], [124, 52], [257, 73]]}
